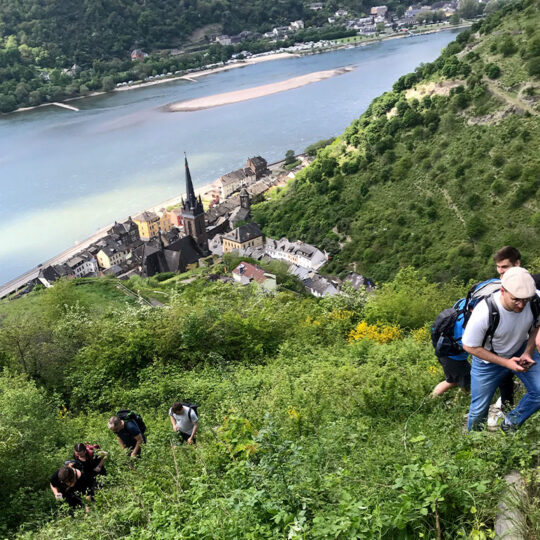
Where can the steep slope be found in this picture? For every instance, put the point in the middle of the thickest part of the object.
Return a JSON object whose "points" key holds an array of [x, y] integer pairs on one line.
{"points": [[438, 173]]}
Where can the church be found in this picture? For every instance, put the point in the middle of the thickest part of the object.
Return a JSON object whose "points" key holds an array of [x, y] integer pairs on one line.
{"points": [[155, 257]]}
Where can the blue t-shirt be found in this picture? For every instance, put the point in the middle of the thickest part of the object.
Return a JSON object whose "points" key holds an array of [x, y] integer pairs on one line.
{"points": [[129, 432]]}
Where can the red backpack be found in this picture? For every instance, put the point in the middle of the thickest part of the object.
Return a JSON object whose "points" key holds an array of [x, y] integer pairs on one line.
{"points": [[90, 449]]}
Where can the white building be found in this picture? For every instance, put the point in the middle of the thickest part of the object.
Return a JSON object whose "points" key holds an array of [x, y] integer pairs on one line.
{"points": [[83, 264], [298, 253]]}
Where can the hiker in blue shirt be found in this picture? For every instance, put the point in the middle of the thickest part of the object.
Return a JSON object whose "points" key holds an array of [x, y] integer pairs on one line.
{"points": [[129, 435]]}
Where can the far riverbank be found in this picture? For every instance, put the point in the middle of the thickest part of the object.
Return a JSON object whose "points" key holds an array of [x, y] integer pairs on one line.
{"points": [[264, 57]]}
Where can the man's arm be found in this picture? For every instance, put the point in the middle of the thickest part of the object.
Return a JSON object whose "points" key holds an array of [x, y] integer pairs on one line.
{"points": [[173, 422], [99, 466], [121, 443], [56, 492], [138, 441], [488, 356], [533, 340], [195, 427]]}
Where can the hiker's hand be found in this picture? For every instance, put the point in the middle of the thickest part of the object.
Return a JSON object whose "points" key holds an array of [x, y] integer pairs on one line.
{"points": [[86, 509], [526, 361], [59, 496], [190, 440], [514, 365], [97, 469]]}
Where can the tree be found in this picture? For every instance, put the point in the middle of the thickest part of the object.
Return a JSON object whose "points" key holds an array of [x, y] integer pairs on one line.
{"points": [[289, 157], [454, 18], [107, 84]]}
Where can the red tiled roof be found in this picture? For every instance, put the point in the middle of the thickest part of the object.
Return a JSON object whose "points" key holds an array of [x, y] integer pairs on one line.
{"points": [[250, 271]]}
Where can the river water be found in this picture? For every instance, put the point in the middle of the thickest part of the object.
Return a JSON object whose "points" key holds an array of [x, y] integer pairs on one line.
{"points": [[64, 174]]}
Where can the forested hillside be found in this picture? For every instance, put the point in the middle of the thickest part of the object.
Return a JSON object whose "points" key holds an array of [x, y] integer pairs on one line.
{"points": [[439, 172], [315, 416]]}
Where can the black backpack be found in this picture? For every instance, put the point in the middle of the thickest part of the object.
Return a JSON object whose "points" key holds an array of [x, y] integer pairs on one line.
{"points": [[191, 406], [126, 415]]}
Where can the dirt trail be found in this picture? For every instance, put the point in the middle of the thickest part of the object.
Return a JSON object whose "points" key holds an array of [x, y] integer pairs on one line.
{"points": [[501, 94]]}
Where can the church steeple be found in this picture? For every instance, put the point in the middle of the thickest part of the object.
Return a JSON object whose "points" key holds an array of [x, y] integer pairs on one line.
{"points": [[191, 204], [193, 214]]}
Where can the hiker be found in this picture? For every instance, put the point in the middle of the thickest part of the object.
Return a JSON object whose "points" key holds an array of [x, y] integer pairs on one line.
{"points": [[507, 257], [511, 347], [129, 435], [449, 351], [185, 422], [456, 368], [69, 482], [91, 458]]}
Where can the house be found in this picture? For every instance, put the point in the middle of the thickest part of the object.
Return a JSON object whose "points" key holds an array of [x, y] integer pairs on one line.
{"points": [[296, 25], [316, 6], [320, 286], [357, 281], [111, 255], [280, 31], [223, 40], [248, 235], [379, 11], [297, 253], [166, 222], [138, 54], [126, 233], [258, 165], [83, 264], [341, 13], [48, 275], [246, 273], [175, 215], [233, 181], [148, 225]]}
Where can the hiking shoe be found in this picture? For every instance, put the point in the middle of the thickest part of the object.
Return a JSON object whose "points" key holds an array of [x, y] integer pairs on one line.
{"points": [[508, 429], [494, 420]]}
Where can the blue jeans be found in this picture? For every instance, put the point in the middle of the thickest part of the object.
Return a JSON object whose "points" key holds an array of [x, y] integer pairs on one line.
{"points": [[485, 379]]}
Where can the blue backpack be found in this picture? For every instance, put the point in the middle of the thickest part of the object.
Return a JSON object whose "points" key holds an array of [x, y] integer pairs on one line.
{"points": [[450, 324]]}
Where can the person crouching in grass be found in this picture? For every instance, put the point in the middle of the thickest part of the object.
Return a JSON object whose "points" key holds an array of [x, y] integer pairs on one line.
{"points": [[185, 422]]}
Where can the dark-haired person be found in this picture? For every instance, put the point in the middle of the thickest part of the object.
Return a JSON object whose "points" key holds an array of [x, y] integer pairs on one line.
{"points": [[511, 349], [185, 422], [129, 435], [92, 460], [505, 258], [69, 483]]}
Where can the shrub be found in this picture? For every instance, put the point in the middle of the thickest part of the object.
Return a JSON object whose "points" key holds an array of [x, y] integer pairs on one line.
{"points": [[493, 71], [512, 171]]}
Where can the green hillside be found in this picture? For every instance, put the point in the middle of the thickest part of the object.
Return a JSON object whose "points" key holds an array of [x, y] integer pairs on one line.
{"points": [[437, 173], [316, 420]]}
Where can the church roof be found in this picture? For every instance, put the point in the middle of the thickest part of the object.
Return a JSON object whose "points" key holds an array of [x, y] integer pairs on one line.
{"points": [[242, 234]]}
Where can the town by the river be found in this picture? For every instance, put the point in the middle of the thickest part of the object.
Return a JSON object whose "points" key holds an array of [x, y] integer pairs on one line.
{"points": [[65, 174]]}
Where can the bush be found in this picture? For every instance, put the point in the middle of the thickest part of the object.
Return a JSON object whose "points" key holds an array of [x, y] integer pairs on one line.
{"points": [[493, 71], [512, 171]]}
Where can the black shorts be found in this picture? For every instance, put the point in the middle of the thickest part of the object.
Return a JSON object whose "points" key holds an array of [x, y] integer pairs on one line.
{"points": [[181, 437], [456, 371]]}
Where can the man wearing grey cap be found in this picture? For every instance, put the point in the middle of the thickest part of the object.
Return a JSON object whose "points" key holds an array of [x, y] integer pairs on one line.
{"points": [[500, 335]]}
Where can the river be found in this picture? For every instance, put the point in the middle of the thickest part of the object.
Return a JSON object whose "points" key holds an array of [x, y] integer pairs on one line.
{"points": [[65, 174]]}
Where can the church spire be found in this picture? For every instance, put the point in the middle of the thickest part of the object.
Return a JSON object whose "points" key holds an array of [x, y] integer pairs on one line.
{"points": [[191, 199]]}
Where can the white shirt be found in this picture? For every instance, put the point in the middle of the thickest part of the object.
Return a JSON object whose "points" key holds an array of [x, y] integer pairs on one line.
{"points": [[185, 421], [512, 330]]}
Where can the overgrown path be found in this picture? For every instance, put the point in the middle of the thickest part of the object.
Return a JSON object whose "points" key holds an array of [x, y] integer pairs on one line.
{"points": [[501, 94]]}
